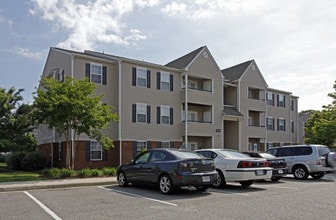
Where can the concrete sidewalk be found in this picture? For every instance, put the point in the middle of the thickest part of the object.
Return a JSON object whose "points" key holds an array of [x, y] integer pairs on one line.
{"points": [[57, 183]]}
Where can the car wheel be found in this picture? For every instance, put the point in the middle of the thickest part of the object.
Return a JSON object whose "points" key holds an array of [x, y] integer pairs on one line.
{"points": [[317, 175], [220, 181], [300, 172], [166, 184], [122, 180], [331, 159], [276, 178], [202, 188], [246, 183]]}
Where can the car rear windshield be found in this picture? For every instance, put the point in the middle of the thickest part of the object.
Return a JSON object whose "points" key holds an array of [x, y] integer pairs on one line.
{"points": [[233, 154], [187, 155]]}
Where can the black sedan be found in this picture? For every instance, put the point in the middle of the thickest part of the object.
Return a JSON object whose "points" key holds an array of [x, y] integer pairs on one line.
{"points": [[278, 165], [169, 169]]}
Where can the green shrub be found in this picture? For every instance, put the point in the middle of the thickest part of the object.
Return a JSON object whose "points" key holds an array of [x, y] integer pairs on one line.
{"points": [[2, 158], [97, 172], [67, 172], [109, 171], [52, 172], [85, 172], [14, 160], [36, 160]]}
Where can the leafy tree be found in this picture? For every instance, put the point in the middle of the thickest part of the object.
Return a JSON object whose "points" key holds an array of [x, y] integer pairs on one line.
{"points": [[321, 126], [72, 109], [15, 122]]}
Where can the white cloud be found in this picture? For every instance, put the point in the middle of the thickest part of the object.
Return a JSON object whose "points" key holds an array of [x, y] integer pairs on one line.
{"points": [[27, 53], [92, 22]]}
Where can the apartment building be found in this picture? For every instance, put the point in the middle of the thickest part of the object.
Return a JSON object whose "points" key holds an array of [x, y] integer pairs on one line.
{"points": [[268, 117], [189, 102]]}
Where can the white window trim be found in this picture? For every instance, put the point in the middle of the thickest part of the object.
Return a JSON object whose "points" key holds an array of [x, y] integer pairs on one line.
{"points": [[166, 107], [167, 74], [101, 73], [139, 147], [138, 69], [138, 105], [101, 150]]}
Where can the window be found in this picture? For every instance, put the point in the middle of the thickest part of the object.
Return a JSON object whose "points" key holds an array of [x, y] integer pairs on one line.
{"points": [[292, 104], [158, 156], [281, 100], [141, 145], [143, 158], [270, 98], [292, 126], [96, 73], [165, 144], [141, 113], [140, 77], [281, 124], [164, 81], [96, 151], [164, 115], [270, 123]]}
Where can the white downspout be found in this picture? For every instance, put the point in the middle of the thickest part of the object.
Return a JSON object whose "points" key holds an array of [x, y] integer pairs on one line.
{"points": [[72, 131], [119, 112], [186, 111], [240, 123]]}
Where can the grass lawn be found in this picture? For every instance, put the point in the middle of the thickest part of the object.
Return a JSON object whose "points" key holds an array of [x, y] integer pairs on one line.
{"points": [[8, 175]]}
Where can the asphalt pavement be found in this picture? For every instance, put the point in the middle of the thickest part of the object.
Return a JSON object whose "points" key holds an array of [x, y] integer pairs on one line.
{"points": [[56, 183]]}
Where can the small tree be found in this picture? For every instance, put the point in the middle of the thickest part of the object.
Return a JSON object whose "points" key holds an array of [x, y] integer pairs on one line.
{"points": [[16, 124], [321, 126], [72, 109]]}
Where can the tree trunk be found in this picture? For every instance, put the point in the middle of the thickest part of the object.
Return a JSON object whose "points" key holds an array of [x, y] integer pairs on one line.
{"points": [[68, 153]]}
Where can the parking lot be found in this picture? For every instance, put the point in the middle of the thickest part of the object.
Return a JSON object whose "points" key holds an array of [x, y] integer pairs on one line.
{"points": [[286, 199]]}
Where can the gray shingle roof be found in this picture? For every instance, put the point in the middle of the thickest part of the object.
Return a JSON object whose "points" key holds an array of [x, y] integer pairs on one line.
{"points": [[235, 72], [232, 111], [184, 61]]}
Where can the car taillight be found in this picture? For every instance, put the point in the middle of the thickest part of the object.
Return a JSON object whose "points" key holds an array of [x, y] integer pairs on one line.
{"points": [[244, 164], [318, 161], [250, 164]]}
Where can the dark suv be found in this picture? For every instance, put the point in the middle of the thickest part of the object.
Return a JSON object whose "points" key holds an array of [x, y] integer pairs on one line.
{"points": [[305, 160]]}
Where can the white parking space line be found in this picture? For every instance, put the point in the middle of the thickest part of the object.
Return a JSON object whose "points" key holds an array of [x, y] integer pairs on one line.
{"points": [[45, 208], [227, 192], [143, 197], [280, 187]]}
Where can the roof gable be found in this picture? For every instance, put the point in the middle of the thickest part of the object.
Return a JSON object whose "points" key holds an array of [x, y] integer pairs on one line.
{"points": [[184, 61], [235, 72]]}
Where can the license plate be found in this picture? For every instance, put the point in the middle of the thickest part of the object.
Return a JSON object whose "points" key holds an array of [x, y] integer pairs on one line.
{"points": [[260, 172], [280, 171], [206, 178]]}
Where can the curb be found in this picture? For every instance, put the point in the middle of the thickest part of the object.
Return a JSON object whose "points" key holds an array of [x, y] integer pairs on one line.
{"points": [[20, 186]]}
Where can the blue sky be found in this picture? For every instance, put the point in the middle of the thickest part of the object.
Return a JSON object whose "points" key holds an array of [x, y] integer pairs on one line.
{"points": [[292, 42]]}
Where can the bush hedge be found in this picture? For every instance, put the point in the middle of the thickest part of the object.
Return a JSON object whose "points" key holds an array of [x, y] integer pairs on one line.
{"points": [[29, 161]]}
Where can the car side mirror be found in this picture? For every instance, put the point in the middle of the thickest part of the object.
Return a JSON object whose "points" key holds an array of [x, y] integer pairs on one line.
{"points": [[132, 162]]}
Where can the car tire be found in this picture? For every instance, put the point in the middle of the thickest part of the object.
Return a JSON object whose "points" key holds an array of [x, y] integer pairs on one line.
{"points": [[300, 172], [276, 178], [331, 159], [166, 184], [220, 181], [122, 180], [246, 183], [202, 188], [317, 175]]}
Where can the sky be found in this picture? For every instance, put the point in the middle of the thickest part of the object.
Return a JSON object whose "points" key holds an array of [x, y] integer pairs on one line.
{"points": [[292, 42]]}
